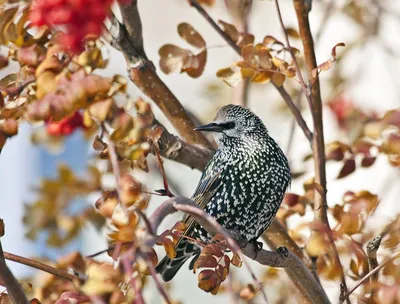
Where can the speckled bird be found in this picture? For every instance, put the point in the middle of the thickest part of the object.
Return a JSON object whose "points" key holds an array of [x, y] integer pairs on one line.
{"points": [[242, 186]]}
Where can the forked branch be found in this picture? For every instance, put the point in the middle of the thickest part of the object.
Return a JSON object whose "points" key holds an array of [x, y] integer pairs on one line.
{"points": [[281, 258]]}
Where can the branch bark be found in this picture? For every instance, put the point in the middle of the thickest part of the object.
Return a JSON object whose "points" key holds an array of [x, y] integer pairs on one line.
{"points": [[318, 143], [13, 287], [281, 258], [171, 147], [129, 38], [41, 266]]}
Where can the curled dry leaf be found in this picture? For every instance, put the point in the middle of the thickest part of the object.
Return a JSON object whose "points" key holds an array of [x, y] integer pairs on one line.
{"points": [[209, 281], [327, 64], [230, 30], [133, 192], [107, 203]]}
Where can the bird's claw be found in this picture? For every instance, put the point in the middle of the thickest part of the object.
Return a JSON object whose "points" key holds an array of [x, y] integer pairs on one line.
{"points": [[258, 246]]}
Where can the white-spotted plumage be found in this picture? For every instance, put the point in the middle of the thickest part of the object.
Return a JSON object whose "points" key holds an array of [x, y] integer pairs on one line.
{"points": [[242, 186]]}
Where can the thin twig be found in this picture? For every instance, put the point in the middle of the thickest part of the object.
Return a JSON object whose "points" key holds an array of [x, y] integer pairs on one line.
{"points": [[126, 263], [369, 274], [372, 248], [285, 95], [314, 97], [304, 87], [160, 288], [41, 266]]}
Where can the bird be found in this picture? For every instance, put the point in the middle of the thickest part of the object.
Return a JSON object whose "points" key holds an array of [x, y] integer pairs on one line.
{"points": [[242, 186]]}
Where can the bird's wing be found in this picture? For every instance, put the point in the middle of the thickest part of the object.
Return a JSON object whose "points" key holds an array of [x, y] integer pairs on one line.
{"points": [[209, 184]]}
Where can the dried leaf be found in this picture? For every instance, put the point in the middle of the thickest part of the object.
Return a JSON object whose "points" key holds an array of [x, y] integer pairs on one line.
{"points": [[230, 76], [190, 35], [348, 168], [208, 281], [292, 32], [230, 30]]}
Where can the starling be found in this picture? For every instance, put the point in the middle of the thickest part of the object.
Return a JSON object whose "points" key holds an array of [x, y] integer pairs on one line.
{"points": [[242, 186]]}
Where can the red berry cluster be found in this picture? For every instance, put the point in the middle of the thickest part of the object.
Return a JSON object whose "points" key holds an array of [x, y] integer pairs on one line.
{"points": [[66, 125], [78, 18]]}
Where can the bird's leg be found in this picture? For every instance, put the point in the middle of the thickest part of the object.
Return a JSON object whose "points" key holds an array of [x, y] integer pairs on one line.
{"points": [[258, 246]]}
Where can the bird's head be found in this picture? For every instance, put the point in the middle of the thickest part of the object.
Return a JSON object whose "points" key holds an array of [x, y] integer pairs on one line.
{"points": [[233, 123]]}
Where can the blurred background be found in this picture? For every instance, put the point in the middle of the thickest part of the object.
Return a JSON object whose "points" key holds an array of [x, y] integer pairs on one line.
{"points": [[370, 31]]}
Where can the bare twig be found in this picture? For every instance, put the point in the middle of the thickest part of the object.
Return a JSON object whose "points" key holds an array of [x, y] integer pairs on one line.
{"points": [[369, 274], [318, 144], [41, 266], [282, 257], [285, 95], [126, 263], [160, 288], [372, 248]]}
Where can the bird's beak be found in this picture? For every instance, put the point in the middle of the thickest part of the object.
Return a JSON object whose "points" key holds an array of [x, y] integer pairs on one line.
{"points": [[211, 127]]}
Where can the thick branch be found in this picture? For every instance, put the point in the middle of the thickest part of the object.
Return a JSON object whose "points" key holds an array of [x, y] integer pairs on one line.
{"points": [[14, 289], [173, 148], [318, 145], [282, 257], [128, 37]]}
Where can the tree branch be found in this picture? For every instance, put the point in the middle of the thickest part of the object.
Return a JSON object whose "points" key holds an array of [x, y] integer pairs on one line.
{"points": [[14, 289], [318, 144], [128, 37], [281, 258], [41, 266], [368, 275], [285, 95], [171, 147], [372, 248]]}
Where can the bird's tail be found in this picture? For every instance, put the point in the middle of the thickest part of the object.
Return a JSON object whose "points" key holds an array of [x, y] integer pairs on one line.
{"points": [[169, 267]]}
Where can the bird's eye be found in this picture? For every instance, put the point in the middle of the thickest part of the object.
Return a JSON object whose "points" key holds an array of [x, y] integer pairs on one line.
{"points": [[229, 125]]}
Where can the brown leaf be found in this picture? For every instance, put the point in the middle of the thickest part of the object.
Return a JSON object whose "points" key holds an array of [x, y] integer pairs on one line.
{"points": [[317, 245], [101, 108], [3, 62], [9, 127], [245, 39], [391, 144], [230, 30], [2, 228], [172, 58], [208, 281], [291, 199], [230, 76], [348, 168], [107, 203], [278, 79], [236, 261], [195, 66], [213, 250], [190, 35], [368, 161], [292, 32], [205, 261]]}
